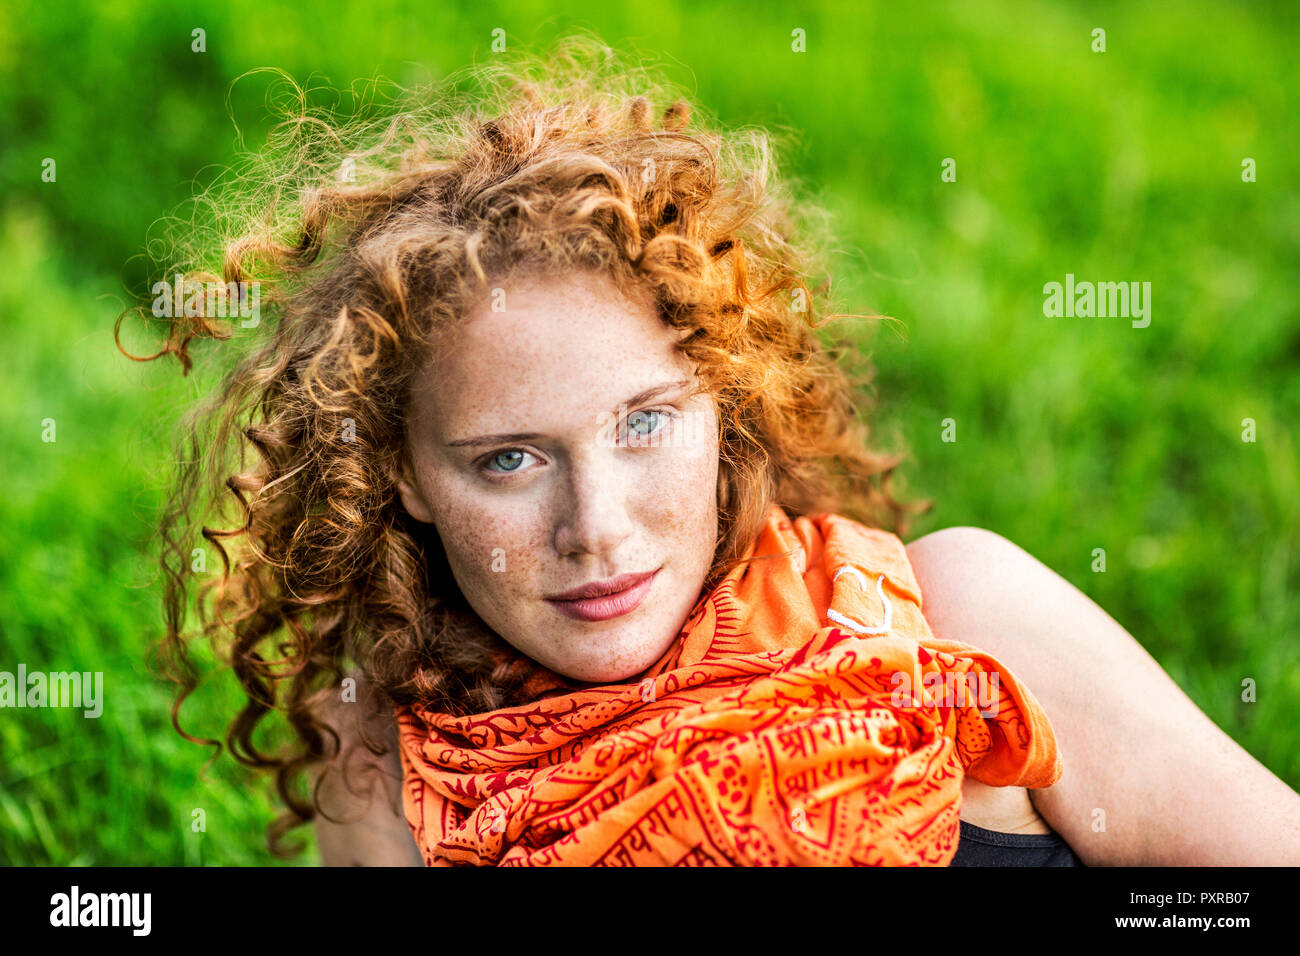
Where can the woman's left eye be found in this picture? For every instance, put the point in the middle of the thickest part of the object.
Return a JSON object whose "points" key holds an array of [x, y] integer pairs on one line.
{"points": [[645, 423]]}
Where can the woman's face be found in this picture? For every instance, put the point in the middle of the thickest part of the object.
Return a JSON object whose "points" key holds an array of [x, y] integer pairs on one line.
{"points": [[555, 443]]}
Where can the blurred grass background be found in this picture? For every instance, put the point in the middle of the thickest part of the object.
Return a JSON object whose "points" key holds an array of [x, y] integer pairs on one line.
{"points": [[1072, 434]]}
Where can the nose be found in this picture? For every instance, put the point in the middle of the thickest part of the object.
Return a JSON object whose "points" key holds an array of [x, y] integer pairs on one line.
{"points": [[594, 518]]}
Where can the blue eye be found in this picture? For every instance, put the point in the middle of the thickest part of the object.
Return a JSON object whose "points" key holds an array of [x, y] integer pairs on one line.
{"points": [[637, 419], [517, 458]]}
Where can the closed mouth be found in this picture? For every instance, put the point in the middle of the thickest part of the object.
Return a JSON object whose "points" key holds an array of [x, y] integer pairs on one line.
{"points": [[604, 588], [610, 605]]}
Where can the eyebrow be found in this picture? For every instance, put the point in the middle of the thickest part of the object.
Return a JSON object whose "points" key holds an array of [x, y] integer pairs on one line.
{"points": [[654, 391]]}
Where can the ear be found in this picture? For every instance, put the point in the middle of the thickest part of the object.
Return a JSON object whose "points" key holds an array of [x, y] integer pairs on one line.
{"points": [[409, 491]]}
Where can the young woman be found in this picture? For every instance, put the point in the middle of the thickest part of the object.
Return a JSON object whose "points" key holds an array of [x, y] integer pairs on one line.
{"points": [[559, 540]]}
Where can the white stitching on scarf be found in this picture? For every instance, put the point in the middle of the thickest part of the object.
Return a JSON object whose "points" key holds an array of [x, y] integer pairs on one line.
{"points": [[848, 622]]}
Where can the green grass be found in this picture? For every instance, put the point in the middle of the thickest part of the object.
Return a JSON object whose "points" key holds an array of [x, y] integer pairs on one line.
{"points": [[1072, 434]]}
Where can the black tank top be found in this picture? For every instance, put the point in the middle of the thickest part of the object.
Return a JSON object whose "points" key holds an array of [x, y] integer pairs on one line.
{"points": [[980, 847]]}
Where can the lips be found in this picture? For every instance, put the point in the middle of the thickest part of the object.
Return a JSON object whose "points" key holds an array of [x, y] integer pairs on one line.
{"points": [[603, 600]]}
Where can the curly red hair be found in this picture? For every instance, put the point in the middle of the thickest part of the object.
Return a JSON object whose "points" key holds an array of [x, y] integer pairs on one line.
{"points": [[572, 160]]}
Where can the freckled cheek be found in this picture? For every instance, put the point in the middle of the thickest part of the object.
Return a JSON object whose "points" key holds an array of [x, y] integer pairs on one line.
{"points": [[487, 545], [687, 492]]}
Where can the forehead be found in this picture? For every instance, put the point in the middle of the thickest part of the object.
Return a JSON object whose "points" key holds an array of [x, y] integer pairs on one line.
{"points": [[574, 343]]}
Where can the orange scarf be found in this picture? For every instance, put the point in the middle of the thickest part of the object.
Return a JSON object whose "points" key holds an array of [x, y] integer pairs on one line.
{"points": [[805, 715]]}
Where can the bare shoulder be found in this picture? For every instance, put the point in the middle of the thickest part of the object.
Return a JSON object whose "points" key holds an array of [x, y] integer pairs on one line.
{"points": [[1148, 778], [963, 539], [983, 589], [980, 588], [972, 567]]}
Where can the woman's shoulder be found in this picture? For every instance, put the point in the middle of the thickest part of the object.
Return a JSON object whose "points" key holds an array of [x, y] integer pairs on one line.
{"points": [[958, 546], [968, 573], [981, 589]]}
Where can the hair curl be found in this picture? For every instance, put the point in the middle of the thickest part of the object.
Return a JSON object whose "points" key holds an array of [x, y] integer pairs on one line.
{"points": [[371, 235]]}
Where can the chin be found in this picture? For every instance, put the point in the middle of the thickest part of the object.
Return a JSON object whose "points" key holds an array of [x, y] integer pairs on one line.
{"points": [[617, 667]]}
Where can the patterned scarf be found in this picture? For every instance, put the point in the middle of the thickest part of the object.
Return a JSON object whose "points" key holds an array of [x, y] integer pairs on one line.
{"points": [[805, 715]]}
